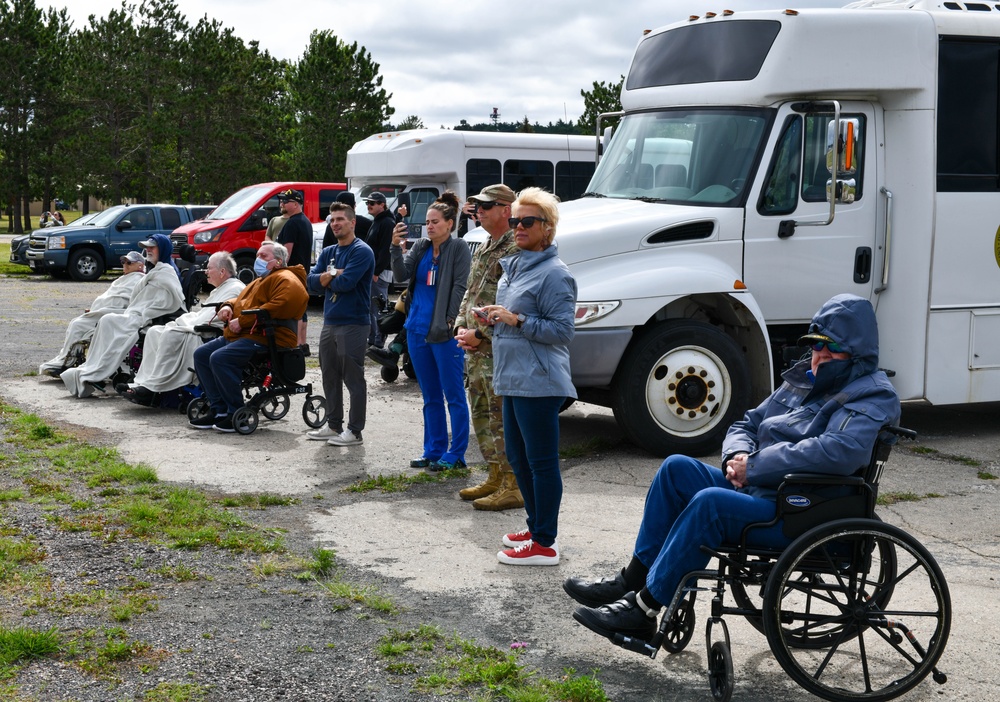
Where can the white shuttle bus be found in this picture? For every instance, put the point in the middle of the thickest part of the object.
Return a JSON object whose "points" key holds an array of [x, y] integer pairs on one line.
{"points": [[709, 237], [420, 164]]}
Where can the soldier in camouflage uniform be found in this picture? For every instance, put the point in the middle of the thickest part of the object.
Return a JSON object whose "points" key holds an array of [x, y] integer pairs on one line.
{"points": [[499, 491]]}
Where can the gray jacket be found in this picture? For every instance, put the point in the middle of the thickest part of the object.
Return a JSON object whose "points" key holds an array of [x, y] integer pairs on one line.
{"points": [[452, 279], [533, 361]]}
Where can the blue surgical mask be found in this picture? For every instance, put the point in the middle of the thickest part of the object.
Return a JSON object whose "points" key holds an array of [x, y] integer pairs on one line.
{"points": [[260, 267]]}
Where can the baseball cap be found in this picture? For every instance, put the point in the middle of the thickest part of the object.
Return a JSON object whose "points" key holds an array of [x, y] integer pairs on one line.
{"points": [[132, 257], [347, 197], [149, 244], [495, 193], [376, 197], [291, 195]]}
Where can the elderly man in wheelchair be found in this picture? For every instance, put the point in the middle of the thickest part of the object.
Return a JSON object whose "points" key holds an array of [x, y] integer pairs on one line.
{"points": [[279, 290], [827, 417]]}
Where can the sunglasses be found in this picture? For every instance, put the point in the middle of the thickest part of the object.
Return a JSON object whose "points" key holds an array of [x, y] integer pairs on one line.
{"points": [[526, 222], [487, 206], [819, 345]]}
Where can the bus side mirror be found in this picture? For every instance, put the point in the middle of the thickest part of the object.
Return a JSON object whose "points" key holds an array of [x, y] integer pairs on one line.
{"points": [[846, 132]]}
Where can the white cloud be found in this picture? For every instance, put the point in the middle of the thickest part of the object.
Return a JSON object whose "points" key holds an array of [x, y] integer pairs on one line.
{"points": [[449, 60]]}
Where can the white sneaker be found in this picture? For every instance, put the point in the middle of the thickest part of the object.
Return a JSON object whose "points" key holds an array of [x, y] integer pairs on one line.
{"points": [[323, 433], [345, 438]]}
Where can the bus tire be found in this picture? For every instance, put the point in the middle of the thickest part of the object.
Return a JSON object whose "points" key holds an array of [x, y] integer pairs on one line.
{"points": [[679, 388]]}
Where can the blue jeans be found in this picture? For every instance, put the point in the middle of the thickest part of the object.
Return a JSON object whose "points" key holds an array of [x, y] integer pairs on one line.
{"points": [[531, 439], [440, 368], [219, 365], [691, 504]]}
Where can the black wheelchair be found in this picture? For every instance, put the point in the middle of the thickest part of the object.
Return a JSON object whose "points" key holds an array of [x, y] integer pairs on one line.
{"points": [[852, 609], [269, 380]]}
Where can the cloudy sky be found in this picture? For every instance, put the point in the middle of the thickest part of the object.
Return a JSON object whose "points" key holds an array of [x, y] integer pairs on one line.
{"points": [[448, 60]]}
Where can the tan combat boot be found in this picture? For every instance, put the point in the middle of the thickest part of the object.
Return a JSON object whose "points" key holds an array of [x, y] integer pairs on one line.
{"points": [[508, 496], [487, 487]]}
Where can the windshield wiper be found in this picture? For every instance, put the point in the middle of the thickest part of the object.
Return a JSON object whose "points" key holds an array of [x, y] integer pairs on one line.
{"points": [[646, 198], [593, 194]]}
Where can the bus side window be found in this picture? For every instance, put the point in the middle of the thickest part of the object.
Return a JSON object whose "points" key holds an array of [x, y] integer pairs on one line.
{"points": [[519, 174], [780, 194]]}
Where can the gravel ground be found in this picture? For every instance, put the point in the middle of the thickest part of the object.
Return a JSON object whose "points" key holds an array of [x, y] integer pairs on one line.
{"points": [[235, 635]]}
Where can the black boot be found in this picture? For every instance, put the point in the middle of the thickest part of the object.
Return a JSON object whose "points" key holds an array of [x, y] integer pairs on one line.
{"points": [[592, 593], [623, 617], [383, 357]]}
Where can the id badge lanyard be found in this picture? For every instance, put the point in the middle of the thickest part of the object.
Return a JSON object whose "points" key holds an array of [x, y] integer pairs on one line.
{"points": [[432, 272]]}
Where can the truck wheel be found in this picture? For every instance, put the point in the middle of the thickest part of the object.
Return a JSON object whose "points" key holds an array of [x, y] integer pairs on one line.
{"points": [[680, 387], [244, 269], [85, 265]]}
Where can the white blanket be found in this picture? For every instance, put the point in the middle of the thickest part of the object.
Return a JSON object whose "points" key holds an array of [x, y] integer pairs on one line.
{"points": [[81, 329], [158, 293], [168, 351]]}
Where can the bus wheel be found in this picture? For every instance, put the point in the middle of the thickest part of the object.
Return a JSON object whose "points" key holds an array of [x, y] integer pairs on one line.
{"points": [[679, 388]]}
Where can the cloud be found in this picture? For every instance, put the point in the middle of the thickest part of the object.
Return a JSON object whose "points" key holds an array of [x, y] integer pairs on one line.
{"points": [[449, 60]]}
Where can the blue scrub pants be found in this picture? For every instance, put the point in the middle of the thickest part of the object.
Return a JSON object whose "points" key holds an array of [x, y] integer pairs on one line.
{"points": [[691, 504], [531, 440], [440, 373]]}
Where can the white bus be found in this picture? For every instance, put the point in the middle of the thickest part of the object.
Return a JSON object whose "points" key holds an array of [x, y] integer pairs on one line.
{"points": [[700, 264], [420, 164]]}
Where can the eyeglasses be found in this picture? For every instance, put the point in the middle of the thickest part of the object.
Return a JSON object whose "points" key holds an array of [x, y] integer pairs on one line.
{"points": [[832, 345], [487, 206], [526, 222]]}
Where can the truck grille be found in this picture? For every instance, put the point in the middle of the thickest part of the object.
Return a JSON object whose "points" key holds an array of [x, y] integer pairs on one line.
{"points": [[177, 240]]}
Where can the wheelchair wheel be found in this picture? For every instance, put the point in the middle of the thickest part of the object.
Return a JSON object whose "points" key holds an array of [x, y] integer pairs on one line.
{"points": [[837, 606], [276, 407], [314, 411], [389, 373], [245, 420], [680, 628], [720, 671], [198, 408]]}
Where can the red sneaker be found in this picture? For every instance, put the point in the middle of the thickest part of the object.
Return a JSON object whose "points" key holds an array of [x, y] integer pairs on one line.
{"points": [[530, 553], [517, 538]]}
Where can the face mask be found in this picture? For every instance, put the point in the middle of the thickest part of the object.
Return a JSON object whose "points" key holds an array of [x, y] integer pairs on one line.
{"points": [[260, 267]]}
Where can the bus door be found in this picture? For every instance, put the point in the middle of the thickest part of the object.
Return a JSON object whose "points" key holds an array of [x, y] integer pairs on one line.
{"points": [[792, 265]]}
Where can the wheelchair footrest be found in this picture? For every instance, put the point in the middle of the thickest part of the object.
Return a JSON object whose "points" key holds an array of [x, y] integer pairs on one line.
{"points": [[635, 645]]}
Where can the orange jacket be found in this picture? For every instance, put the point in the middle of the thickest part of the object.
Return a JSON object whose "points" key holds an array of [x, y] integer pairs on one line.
{"points": [[281, 292]]}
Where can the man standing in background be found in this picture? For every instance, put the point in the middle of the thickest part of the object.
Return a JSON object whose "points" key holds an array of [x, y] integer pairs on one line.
{"points": [[379, 239]]}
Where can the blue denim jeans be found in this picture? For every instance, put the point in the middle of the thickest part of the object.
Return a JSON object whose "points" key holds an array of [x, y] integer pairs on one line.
{"points": [[440, 373], [531, 438], [690, 504], [219, 365]]}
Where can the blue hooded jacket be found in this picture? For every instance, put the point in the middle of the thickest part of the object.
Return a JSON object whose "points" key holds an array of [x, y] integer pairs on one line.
{"points": [[166, 251], [826, 426]]}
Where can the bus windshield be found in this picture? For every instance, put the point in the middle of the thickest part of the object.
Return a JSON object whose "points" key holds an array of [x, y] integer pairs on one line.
{"points": [[701, 156]]}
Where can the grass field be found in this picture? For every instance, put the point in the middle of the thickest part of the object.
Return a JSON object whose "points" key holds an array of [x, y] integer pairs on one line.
{"points": [[70, 217]]}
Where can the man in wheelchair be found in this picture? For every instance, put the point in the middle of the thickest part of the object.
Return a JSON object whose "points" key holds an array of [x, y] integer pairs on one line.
{"points": [[168, 350], [278, 289], [825, 418]]}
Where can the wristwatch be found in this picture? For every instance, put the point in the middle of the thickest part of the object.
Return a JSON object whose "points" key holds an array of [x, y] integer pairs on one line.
{"points": [[520, 320], [480, 335]]}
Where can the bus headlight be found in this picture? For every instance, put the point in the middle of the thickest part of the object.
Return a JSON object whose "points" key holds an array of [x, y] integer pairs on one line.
{"points": [[587, 312]]}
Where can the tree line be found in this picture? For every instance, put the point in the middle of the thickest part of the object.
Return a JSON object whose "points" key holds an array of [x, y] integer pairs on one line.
{"points": [[143, 104]]}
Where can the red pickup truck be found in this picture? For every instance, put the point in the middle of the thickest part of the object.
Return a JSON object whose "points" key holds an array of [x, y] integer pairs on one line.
{"points": [[238, 225]]}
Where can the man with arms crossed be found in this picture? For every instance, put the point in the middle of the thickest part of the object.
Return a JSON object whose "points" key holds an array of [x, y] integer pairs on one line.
{"points": [[343, 274]]}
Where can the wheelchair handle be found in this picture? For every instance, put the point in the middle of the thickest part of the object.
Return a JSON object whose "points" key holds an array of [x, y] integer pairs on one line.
{"points": [[902, 431], [261, 314]]}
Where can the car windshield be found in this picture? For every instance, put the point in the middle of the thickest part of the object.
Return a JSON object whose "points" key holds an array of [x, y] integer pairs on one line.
{"points": [[682, 156], [107, 217], [239, 202]]}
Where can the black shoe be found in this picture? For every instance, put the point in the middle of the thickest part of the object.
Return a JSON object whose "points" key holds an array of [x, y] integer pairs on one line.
{"points": [[623, 617], [421, 463], [206, 422], [121, 388], [383, 357], [224, 424], [594, 594]]}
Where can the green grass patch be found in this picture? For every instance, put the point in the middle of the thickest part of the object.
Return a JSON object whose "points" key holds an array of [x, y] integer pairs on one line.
{"points": [[592, 446], [177, 692], [401, 482], [180, 572], [922, 449], [365, 596], [257, 501], [957, 458], [985, 475], [890, 498], [452, 666]]}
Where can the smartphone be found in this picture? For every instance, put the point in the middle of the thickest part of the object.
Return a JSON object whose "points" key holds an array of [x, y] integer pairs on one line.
{"points": [[479, 312]]}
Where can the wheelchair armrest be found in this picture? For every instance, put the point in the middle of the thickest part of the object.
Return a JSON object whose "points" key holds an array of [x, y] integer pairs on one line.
{"points": [[261, 314], [821, 479]]}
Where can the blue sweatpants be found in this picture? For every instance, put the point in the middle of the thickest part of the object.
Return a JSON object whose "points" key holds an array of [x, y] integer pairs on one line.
{"points": [[440, 368]]}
